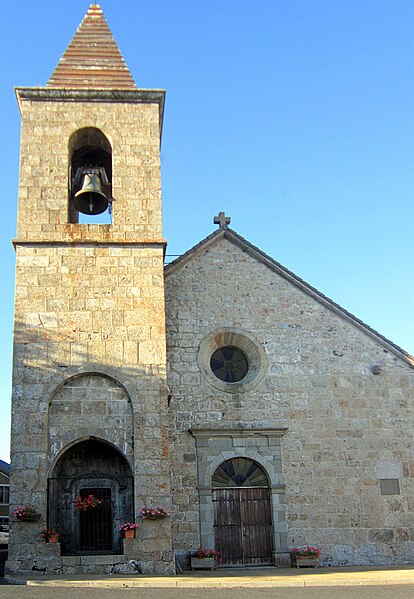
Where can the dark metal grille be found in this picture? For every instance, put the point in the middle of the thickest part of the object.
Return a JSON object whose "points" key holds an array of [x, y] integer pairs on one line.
{"points": [[229, 364], [95, 524], [239, 472], [95, 530]]}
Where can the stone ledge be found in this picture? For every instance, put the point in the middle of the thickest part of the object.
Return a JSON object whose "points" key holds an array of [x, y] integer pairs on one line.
{"points": [[100, 560], [71, 560], [48, 549], [159, 243]]}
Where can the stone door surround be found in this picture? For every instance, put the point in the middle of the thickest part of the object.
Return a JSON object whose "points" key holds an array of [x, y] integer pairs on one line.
{"points": [[262, 445]]}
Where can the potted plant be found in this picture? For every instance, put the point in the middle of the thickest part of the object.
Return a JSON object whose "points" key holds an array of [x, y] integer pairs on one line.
{"points": [[50, 535], [86, 503], [305, 556], [204, 559], [128, 529], [26, 513], [153, 513]]}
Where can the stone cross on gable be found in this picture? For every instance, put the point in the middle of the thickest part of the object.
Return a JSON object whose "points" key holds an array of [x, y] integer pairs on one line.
{"points": [[222, 220]]}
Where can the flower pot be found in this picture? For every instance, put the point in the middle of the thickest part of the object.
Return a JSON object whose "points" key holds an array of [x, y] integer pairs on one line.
{"points": [[28, 518], [54, 538], [203, 563], [301, 561], [129, 534]]}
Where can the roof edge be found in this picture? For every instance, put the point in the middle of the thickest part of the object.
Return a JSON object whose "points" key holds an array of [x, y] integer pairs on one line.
{"points": [[4, 467], [259, 255]]}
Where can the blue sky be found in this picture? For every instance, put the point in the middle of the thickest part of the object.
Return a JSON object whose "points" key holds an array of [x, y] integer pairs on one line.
{"points": [[296, 117]]}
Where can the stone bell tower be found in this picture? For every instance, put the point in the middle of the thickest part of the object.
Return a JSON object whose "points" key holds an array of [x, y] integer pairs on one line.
{"points": [[89, 379]]}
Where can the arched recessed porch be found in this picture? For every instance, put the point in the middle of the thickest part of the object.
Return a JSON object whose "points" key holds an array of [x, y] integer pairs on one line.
{"points": [[90, 467]]}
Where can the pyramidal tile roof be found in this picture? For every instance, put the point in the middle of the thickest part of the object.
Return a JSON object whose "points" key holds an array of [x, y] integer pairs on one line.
{"points": [[92, 60]]}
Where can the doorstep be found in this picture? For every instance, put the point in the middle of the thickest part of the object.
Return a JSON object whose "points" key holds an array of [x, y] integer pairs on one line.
{"points": [[91, 560]]}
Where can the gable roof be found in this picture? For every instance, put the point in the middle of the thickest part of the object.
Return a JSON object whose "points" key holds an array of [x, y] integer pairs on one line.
{"points": [[92, 60], [260, 256], [5, 468]]}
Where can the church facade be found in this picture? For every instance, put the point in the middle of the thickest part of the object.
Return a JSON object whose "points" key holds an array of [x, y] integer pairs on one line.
{"points": [[255, 411]]}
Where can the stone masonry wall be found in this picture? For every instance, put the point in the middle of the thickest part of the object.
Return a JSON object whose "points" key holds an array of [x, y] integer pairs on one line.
{"points": [[89, 301], [90, 402], [134, 133], [348, 429]]}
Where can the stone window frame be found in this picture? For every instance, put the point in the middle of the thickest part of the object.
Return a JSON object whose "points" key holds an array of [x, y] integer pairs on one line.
{"points": [[247, 343]]}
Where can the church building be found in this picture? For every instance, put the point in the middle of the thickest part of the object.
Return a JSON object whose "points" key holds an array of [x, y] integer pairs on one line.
{"points": [[255, 411]]}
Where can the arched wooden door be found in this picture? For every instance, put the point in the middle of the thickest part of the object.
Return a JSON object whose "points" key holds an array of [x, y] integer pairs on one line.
{"points": [[242, 513]]}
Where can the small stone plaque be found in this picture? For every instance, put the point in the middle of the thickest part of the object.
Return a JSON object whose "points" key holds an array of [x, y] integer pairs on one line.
{"points": [[389, 486]]}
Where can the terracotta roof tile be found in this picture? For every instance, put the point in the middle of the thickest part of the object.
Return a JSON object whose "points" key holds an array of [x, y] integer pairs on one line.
{"points": [[92, 60]]}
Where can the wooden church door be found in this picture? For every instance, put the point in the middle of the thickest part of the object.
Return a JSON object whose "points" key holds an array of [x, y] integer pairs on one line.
{"points": [[242, 513]]}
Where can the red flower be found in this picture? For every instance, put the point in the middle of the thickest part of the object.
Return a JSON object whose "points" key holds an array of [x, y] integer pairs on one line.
{"points": [[202, 553], [86, 503]]}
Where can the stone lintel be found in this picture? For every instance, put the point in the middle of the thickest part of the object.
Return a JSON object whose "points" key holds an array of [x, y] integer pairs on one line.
{"points": [[199, 432], [274, 489]]}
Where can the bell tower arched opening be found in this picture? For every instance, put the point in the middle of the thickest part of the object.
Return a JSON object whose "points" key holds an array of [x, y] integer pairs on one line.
{"points": [[90, 176], [90, 468]]}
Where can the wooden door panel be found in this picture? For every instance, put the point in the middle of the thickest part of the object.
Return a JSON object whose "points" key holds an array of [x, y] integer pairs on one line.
{"points": [[228, 538], [243, 525], [257, 525], [227, 507]]}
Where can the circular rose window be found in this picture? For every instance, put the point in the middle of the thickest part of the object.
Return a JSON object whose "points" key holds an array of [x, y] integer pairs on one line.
{"points": [[229, 364], [232, 360]]}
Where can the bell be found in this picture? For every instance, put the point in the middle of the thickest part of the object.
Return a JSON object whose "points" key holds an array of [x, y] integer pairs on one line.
{"points": [[91, 199]]}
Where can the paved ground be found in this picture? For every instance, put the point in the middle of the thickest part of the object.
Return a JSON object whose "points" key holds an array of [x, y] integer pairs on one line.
{"points": [[244, 578], [359, 592]]}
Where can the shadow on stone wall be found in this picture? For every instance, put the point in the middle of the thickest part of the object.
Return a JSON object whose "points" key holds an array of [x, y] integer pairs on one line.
{"points": [[67, 386]]}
